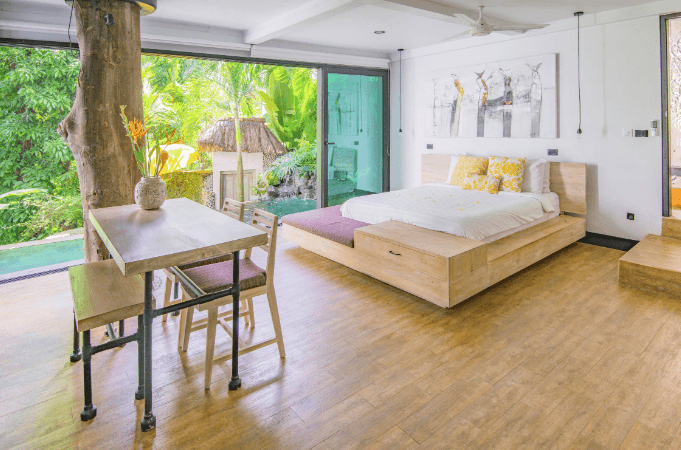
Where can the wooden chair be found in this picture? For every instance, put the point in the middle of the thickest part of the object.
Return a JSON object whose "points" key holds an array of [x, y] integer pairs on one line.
{"points": [[230, 207], [254, 282], [102, 295]]}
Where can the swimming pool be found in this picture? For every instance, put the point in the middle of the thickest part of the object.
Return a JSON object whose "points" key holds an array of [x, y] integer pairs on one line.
{"points": [[32, 257]]}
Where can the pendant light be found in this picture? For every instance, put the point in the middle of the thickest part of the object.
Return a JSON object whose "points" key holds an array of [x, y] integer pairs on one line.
{"points": [[400, 50], [579, 74]]}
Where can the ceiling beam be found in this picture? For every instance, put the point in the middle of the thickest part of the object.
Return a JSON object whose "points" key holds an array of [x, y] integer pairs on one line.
{"points": [[309, 12], [423, 8]]}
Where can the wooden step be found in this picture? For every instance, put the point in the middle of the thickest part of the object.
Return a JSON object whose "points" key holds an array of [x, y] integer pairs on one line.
{"points": [[671, 227], [102, 295], [654, 263]]}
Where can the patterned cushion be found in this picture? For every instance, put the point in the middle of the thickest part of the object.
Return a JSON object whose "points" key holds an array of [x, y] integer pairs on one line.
{"points": [[217, 277], [205, 262], [467, 165], [484, 183], [510, 170], [327, 223]]}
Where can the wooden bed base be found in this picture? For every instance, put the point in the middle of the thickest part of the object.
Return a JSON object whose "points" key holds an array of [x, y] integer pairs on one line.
{"points": [[447, 269]]}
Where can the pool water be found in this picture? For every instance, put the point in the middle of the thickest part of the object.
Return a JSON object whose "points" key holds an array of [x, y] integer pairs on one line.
{"points": [[282, 207], [25, 258]]}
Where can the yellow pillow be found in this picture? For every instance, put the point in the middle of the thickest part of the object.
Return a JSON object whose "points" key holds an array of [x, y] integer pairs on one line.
{"points": [[484, 183], [468, 164], [510, 170]]}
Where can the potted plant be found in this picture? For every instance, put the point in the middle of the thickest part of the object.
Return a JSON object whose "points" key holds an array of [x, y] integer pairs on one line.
{"points": [[151, 191]]}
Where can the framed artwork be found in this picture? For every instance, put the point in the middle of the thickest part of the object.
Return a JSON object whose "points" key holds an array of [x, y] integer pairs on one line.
{"points": [[515, 98]]}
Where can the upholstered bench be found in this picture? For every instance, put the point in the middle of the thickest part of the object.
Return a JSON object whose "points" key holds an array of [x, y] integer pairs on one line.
{"points": [[327, 223]]}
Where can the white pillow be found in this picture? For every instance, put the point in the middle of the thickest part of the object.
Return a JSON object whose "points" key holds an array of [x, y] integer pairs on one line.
{"points": [[533, 178], [547, 177], [452, 165]]}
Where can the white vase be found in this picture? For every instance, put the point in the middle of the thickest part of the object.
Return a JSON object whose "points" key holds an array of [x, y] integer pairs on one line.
{"points": [[150, 193]]}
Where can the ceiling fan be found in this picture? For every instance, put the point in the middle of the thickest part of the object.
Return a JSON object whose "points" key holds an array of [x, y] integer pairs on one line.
{"points": [[482, 28]]}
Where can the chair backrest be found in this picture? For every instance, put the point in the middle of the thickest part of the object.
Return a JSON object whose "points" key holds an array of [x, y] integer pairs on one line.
{"points": [[234, 208], [269, 223], [344, 159]]}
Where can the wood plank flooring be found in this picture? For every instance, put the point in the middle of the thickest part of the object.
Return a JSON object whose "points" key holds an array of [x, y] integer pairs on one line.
{"points": [[558, 356]]}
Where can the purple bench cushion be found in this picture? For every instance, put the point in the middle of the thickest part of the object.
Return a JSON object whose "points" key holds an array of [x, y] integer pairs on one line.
{"points": [[327, 223]]}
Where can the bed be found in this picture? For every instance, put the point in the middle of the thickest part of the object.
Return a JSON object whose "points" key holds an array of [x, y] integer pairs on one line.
{"points": [[451, 209], [420, 241]]}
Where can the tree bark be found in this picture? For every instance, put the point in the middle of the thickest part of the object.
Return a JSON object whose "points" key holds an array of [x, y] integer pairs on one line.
{"points": [[110, 76]]}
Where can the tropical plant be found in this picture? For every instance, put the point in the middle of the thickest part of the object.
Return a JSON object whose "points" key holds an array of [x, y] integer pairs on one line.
{"points": [[37, 88], [238, 83], [15, 213], [53, 215], [290, 99], [302, 161]]}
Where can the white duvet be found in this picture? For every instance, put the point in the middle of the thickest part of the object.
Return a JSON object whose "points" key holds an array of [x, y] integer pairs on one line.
{"points": [[442, 207]]}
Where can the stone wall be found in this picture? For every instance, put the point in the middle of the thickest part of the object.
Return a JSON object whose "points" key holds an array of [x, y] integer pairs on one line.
{"points": [[295, 186]]}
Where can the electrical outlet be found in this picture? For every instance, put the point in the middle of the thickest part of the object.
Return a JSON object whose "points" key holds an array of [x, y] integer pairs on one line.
{"points": [[356, 142], [640, 133], [553, 152], [429, 146], [630, 216]]}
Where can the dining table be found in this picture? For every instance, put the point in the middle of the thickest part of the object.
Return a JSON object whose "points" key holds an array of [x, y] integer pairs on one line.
{"points": [[179, 232]]}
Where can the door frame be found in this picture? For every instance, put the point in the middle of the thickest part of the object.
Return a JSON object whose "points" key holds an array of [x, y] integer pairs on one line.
{"points": [[323, 125], [666, 150]]}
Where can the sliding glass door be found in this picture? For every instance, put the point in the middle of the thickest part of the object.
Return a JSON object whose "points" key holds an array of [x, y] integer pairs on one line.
{"points": [[354, 132]]}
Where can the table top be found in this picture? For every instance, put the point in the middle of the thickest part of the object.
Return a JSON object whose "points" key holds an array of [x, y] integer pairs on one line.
{"points": [[179, 232]]}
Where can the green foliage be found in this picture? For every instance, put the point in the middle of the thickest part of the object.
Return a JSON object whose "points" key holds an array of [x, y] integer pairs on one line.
{"points": [[184, 184], [177, 96], [302, 161], [37, 88], [53, 215], [290, 98]]}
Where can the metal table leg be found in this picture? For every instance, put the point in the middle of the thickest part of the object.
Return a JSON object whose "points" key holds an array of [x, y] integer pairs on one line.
{"points": [[149, 420], [89, 410], [139, 393], [76, 355], [235, 382], [110, 331]]}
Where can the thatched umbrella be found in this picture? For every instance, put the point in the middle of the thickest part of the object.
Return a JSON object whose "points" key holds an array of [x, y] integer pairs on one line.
{"points": [[255, 137]]}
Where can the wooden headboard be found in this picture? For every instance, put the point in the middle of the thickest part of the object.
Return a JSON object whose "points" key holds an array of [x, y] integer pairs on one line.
{"points": [[568, 180]]}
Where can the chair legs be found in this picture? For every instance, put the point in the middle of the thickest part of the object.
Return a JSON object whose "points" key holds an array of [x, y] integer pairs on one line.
{"points": [[274, 311], [251, 316], [186, 330], [210, 344], [168, 285]]}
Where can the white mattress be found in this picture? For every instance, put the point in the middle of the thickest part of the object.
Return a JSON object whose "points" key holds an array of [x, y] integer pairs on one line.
{"points": [[467, 213]]}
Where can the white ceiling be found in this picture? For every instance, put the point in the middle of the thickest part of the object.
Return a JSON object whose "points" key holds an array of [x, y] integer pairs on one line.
{"points": [[350, 24]]}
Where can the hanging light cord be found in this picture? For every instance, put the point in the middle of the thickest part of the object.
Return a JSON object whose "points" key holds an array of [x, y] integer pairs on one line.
{"points": [[400, 50], [579, 75], [69, 30]]}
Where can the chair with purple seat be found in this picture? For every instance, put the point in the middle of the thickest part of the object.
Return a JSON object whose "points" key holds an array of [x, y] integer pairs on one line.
{"points": [[253, 280], [230, 207]]}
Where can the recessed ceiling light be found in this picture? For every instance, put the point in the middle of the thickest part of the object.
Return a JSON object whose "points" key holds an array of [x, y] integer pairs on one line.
{"points": [[379, 32]]}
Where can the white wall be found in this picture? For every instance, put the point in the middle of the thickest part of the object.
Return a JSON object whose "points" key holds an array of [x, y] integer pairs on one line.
{"points": [[620, 89], [226, 162]]}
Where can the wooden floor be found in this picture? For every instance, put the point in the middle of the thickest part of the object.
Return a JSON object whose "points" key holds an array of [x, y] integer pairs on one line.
{"points": [[557, 356]]}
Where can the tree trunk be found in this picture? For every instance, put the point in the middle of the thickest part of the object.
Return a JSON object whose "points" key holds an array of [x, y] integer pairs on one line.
{"points": [[239, 158], [110, 76]]}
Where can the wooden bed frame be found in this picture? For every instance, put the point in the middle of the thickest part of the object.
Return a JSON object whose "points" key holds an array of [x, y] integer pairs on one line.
{"points": [[447, 269]]}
